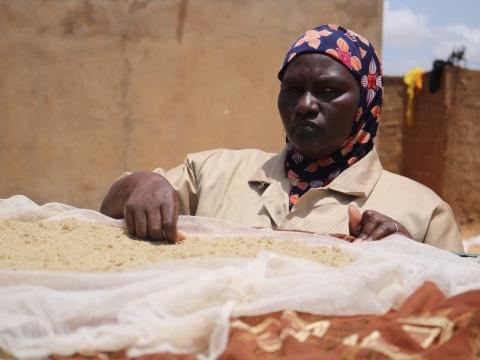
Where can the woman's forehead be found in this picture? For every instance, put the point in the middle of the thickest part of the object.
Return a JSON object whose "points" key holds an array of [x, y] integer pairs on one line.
{"points": [[318, 65]]}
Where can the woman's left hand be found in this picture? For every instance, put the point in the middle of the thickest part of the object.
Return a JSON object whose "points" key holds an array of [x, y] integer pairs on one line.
{"points": [[372, 225]]}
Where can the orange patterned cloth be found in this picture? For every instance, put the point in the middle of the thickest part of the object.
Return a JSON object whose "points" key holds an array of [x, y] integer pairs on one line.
{"points": [[428, 326]]}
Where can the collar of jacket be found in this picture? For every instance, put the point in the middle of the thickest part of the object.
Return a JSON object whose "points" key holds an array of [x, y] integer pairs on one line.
{"points": [[358, 180]]}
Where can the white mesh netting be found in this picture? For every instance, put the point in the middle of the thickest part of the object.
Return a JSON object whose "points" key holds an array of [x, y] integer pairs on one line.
{"points": [[184, 306]]}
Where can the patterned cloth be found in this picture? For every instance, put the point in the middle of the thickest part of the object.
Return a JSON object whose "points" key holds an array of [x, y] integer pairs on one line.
{"points": [[427, 326], [359, 56]]}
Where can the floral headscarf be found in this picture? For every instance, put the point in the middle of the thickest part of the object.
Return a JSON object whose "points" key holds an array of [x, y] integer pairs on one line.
{"points": [[359, 57]]}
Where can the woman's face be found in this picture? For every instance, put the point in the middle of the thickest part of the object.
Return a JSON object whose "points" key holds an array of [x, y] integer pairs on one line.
{"points": [[318, 100]]}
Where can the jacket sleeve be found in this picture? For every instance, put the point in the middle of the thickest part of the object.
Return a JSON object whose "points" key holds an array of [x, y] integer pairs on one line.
{"points": [[183, 180], [442, 230], [186, 179]]}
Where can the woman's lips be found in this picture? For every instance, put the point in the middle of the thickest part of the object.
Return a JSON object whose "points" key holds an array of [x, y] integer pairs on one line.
{"points": [[305, 125]]}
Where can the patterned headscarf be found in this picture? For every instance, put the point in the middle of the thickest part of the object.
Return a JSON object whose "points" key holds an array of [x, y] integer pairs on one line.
{"points": [[359, 57]]}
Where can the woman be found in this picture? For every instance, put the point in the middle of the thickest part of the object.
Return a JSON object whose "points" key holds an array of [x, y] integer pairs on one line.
{"points": [[329, 101]]}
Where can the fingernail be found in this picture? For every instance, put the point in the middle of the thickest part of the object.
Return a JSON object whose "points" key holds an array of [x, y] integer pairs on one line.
{"points": [[368, 238], [363, 236], [356, 241]]}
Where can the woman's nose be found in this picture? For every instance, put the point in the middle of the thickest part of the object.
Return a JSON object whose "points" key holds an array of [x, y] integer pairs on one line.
{"points": [[307, 104]]}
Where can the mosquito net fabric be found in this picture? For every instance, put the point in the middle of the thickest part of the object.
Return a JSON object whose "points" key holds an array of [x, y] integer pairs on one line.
{"points": [[184, 306]]}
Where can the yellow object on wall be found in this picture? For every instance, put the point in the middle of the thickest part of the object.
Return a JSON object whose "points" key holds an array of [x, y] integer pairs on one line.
{"points": [[413, 80]]}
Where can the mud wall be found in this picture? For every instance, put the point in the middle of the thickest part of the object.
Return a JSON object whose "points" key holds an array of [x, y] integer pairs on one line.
{"points": [[441, 149], [424, 142], [461, 180], [89, 89], [390, 132]]}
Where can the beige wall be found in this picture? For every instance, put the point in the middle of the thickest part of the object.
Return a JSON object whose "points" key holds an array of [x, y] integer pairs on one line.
{"points": [[89, 89]]}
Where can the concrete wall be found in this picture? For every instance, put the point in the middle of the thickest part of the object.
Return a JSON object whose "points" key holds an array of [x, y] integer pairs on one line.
{"points": [[89, 89]]}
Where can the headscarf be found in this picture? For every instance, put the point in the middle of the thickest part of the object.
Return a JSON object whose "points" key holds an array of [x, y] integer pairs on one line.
{"points": [[359, 57]]}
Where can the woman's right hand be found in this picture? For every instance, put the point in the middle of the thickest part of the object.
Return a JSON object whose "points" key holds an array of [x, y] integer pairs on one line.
{"points": [[148, 203]]}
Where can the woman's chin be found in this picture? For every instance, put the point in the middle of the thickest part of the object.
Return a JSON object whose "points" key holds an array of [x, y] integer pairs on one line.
{"points": [[312, 152]]}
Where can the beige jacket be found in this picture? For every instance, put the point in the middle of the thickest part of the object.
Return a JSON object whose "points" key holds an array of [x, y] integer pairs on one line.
{"points": [[250, 187]]}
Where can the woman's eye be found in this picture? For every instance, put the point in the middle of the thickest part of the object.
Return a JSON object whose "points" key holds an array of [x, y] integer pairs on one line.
{"points": [[330, 93], [292, 89], [330, 90]]}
